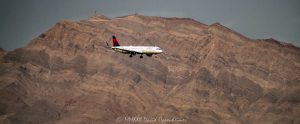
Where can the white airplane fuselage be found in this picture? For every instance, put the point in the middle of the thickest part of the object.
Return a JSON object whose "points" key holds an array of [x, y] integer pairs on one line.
{"points": [[133, 50]]}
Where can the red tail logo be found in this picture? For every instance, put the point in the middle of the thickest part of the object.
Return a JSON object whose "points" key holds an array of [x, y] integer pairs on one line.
{"points": [[115, 41]]}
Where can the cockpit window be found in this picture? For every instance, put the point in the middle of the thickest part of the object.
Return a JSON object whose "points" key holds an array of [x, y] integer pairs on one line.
{"points": [[158, 48]]}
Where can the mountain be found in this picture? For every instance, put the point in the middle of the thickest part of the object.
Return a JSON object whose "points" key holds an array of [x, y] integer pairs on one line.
{"points": [[208, 74]]}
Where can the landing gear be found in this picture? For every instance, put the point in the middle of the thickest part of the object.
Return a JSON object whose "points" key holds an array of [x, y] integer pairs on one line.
{"points": [[132, 54]]}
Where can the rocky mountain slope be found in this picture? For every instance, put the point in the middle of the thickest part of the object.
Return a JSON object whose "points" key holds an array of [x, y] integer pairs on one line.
{"points": [[208, 74]]}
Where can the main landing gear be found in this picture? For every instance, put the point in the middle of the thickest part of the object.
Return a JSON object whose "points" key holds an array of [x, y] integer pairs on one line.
{"points": [[131, 55]]}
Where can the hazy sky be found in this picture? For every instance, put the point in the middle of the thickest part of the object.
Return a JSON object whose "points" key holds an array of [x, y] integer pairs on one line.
{"points": [[22, 20]]}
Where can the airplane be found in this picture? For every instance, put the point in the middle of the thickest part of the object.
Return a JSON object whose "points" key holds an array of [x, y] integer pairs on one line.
{"points": [[134, 50]]}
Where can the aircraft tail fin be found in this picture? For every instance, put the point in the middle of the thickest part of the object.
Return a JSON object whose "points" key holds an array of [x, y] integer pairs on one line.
{"points": [[115, 41]]}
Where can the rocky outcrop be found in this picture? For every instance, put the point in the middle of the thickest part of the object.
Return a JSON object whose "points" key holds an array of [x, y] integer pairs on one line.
{"points": [[207, 74]]}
